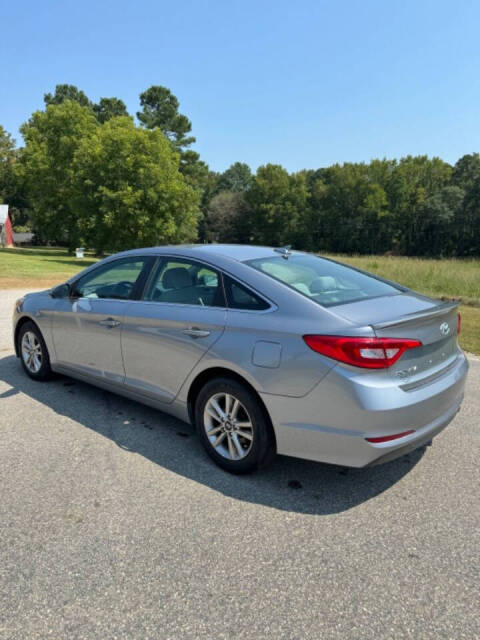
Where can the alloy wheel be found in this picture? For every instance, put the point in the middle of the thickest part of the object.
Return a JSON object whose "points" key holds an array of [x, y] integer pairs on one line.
{"points": [[32, 352], [228, 426]]}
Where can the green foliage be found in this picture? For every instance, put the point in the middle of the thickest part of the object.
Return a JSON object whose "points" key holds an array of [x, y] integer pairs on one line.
{"points": [[237, 177], [7, 163], [127, 190], [112, 186], [466, 230], [109, 108], [412, 206], [66, 92], [194, 169], [52, 137], [12, 188], [105, 109], [160, 110], [225, 217], [276, 202]]}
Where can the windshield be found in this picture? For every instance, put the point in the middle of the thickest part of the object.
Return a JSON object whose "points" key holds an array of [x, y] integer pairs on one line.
{"points": [[324, 281]]}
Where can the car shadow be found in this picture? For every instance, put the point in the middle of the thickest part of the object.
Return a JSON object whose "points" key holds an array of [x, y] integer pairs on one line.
{"points": [[289, 484]]}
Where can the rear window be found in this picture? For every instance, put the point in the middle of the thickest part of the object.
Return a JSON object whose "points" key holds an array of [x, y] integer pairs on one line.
{"points": [[324, 281]]}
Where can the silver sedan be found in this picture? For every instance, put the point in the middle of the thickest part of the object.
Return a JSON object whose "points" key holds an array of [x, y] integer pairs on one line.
{"points": [[265, 350]]}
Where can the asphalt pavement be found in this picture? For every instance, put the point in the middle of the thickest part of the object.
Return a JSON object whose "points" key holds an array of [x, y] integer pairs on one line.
{"points": [[115, 524]]}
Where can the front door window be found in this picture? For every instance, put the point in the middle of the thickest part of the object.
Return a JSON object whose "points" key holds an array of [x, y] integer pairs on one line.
{"points": [[111, 281]]}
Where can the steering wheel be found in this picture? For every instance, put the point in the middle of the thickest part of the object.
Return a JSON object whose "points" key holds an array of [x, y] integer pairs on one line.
{"points": [[123, 289]]}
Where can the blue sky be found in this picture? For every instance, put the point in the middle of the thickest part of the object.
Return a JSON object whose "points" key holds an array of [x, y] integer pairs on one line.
{"points": [[303, 84]]}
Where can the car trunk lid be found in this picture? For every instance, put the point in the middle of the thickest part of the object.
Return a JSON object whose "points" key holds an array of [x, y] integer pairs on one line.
{"points": [[414, 317]]}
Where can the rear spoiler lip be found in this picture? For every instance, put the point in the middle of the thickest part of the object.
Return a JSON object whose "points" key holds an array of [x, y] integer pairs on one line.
{"points": [[438, 310]]}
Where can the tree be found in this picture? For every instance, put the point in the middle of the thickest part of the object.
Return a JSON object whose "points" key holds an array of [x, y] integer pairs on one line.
{"points": [[413, 182], [439, 228], [7, 162], [237, 177], [466, 176], [277, 203], [128, 191], [225, 218], [52, 138], [109, 108], [195, 170], [66, 92], [160, 110], [12, 191], [352, 207]]}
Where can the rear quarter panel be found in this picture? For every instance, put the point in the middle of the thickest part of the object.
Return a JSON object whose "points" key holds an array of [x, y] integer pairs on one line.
{"points": [[297, 370]]}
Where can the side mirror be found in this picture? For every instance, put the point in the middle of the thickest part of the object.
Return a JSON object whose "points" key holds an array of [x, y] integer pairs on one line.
{"points": [[62, 291]]}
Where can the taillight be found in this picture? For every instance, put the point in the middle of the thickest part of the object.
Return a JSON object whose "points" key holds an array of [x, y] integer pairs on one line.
{"points": [[369, 353], [459, 323]]}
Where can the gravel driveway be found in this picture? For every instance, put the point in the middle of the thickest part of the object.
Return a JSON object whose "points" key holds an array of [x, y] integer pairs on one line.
{"points": [[114, 524]]}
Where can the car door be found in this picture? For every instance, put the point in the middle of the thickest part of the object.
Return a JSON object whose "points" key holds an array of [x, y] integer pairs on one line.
{"points": [[87, 325], [164, 335]]}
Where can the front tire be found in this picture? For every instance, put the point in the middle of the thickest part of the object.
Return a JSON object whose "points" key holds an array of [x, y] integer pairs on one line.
{"points": [[33, 352], [232, 426]]}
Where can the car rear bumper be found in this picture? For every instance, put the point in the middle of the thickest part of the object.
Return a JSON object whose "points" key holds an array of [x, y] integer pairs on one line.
{"points": [[330, 423]]}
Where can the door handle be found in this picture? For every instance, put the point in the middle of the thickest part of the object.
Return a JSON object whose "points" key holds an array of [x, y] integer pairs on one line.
{"points": [[109, 322], [195, 332]]}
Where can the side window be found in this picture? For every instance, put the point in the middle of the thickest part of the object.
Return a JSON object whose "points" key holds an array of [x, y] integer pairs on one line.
{"points": [[180, 281], [115, 280], [239, 297]]}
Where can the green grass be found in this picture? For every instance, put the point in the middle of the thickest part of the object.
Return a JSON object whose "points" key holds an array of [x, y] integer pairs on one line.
{"points": [[470, 334], [449, 279], [42, 266]]}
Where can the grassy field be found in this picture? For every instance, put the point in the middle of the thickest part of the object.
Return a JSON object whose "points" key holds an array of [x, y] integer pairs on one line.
{"points": [[38, 267], [448, 279]]}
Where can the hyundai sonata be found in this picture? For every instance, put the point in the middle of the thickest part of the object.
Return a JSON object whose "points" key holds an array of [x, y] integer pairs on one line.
{"points": [[265, 350]]}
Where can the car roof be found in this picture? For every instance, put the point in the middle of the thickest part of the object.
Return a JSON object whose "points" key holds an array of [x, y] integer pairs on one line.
{"points": [[239, 252]]}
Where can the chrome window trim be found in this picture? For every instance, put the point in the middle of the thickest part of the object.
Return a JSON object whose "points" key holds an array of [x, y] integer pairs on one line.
{"points": [[196, 306]]}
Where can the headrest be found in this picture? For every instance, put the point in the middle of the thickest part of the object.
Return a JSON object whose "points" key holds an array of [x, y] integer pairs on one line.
{"points": [[177, 278], [280, 272], [323, 283]]}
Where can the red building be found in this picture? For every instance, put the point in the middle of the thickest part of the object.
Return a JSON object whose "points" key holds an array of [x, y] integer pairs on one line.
{"points": [[6, 230]]}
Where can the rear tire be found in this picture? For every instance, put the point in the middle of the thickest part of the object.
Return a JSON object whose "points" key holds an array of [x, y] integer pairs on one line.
{"points": [[232, 426], [33, 352]]}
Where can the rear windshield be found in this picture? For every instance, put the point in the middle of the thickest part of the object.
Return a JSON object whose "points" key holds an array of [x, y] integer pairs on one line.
{"points": [[324, 281]]}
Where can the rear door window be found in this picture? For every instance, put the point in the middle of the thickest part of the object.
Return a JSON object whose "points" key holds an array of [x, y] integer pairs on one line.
{"points": [[183, 281]]}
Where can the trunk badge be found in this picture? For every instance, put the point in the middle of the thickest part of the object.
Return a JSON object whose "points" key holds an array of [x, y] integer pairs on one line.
{"points": [[406, 373], [444, 329]]}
